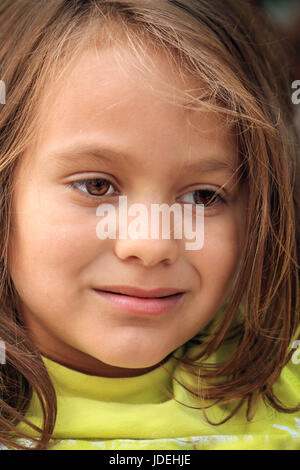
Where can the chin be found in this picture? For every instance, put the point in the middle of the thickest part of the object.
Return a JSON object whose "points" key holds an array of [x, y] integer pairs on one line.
{"points": [[131, 358], [130, 362]]}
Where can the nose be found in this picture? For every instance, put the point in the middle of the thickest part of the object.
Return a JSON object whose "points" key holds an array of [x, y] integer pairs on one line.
{"points": [[147, 252], [138, 245]]}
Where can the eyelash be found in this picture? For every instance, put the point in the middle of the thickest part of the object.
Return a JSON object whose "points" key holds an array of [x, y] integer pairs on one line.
{"points": [[73, 184]]}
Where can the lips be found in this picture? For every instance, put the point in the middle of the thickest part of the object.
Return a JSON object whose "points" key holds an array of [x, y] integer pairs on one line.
{"points": [[152, 302], [138, 292]]}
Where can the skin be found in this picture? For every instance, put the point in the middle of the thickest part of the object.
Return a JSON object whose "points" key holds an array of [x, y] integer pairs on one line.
{"points": [[55, 256]]}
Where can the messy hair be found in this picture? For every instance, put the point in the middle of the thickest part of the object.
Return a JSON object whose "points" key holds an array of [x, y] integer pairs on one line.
{"points": [[241, 68]]}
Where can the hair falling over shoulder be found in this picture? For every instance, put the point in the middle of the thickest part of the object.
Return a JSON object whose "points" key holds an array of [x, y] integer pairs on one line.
{"points": [[242, 69]]}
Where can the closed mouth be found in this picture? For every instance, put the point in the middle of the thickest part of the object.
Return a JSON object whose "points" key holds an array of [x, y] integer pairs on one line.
{"points": [[140, 297]]}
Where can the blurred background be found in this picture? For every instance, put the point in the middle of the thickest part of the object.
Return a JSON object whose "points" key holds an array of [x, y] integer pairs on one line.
{"points": [[285, 15]]}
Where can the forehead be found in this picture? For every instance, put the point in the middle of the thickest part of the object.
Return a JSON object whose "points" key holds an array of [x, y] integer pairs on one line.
{"points": [[108, 91], [154, 68]]}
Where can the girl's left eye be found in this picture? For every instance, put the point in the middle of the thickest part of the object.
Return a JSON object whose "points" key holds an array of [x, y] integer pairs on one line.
{"points": [[208, 197]]}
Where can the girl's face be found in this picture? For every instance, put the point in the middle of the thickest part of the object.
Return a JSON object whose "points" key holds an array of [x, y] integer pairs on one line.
{"points": [[151, 148]]}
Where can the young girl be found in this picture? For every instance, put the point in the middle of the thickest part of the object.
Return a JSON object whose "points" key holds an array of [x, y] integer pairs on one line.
{"points": [[164, 102]]}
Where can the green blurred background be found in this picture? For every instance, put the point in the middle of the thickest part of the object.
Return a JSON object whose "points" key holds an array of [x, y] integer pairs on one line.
{"points": [[285, 15]]}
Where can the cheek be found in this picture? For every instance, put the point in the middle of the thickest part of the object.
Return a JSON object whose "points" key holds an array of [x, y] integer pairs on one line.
{"points": [[217, 261], [50, 242]]}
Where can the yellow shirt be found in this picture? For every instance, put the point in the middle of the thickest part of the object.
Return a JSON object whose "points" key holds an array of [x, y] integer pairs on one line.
{"points": [[135, 413]]}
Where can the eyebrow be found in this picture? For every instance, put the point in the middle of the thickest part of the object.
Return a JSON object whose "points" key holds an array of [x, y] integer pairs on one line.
{"points": [[112, 155]]}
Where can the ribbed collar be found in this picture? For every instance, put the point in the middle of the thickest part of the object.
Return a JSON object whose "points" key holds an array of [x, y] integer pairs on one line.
{"points": [[145, 388]]}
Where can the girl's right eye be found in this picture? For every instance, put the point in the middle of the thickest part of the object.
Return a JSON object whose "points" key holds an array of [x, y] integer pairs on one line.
{"points": [[93, 185]]}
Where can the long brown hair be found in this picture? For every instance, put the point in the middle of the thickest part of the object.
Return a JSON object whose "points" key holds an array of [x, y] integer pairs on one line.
{"points": [[244, 70]]}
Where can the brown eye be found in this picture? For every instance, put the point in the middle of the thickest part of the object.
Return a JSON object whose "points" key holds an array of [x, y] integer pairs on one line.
{"points": [[97, 187], [207, 197], [93, 188]]}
